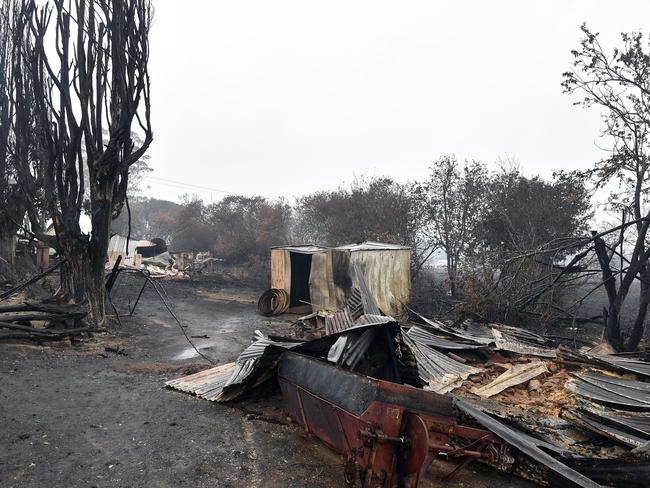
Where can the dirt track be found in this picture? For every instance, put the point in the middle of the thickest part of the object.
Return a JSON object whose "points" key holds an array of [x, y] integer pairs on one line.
{"points": [[79, 416]]}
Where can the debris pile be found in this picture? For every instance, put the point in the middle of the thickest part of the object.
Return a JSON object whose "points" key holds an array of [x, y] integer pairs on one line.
{"points": [[42, 322], [391, 397]]}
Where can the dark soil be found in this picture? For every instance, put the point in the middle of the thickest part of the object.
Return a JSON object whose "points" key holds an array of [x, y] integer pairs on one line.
{"points": [[97, 414]]}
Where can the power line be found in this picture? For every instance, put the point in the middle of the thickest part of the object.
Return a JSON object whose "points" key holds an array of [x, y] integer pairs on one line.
{"points": [[186, 185]]}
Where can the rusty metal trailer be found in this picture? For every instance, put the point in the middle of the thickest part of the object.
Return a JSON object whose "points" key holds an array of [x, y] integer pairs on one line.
{"points": [[388, 433]]}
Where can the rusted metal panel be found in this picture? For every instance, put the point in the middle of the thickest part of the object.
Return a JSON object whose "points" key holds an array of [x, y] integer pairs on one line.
{"points": [[388, 433]]}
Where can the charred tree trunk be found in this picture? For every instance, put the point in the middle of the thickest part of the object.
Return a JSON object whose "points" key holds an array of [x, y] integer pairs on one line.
{"points": [[90, 91], [612, 332], [9, 218], [644, 300], [616, 295], [8, 246], [82, 276]]}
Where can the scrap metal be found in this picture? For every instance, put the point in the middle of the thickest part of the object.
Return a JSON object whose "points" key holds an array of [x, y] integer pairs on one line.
{"points": [[360, 307], [361, 403], [273, 302], [619, 393], [388, 433], [439, 373], [423, 336], [254, 365], [506, 342], [534, 448], [476, 336], [610, 361], [623, 429]]}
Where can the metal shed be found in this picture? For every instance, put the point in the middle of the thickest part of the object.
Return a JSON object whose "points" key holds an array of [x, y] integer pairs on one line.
{"points": [[318, 278]]}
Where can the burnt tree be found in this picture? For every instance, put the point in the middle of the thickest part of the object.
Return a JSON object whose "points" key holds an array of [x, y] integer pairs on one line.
{"points": [[5, 120], [23, 150], [619, 84], [94, 79], [15, 115]]}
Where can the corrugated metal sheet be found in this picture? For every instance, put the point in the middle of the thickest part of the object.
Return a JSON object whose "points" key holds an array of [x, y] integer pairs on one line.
{"points": [[519, 334], [506, 342], [372, 246], [322, 289], [355, 304], [439, 373], [633, 365], [639, 389], [423, 336], [367, 298], [359, 309], [305, 249], [536, 449], [619, 428], [476, 336], [386, 268], [205, 381], [503, 337], [338, 321], [608, 361], [620, 393], [367, 319], [226, 382], [387, 274]]}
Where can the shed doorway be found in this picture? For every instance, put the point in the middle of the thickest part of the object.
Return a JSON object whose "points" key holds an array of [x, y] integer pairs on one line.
{"points": [[300, 271]]}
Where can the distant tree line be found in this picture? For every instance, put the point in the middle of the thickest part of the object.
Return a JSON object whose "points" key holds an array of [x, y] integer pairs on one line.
{"points": [[472, 218]]}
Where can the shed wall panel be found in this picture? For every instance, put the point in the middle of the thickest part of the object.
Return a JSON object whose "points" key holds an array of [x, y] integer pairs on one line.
{"points": [[281, 270], [319, 281], [387, 274]]}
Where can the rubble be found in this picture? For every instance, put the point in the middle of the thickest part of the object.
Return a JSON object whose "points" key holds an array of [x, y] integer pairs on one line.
{"points": [[43, 321], [391, 397], [515, 375]]}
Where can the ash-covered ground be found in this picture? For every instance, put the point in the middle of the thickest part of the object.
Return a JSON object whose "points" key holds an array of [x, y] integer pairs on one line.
{"points": [[97, 414]]}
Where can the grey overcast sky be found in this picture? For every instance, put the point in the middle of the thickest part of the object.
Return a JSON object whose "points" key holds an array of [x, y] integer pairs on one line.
{"points": [[283, 98]]}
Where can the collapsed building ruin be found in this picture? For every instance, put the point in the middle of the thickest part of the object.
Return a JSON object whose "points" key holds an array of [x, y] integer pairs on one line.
{"points": [[392, 397]]}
